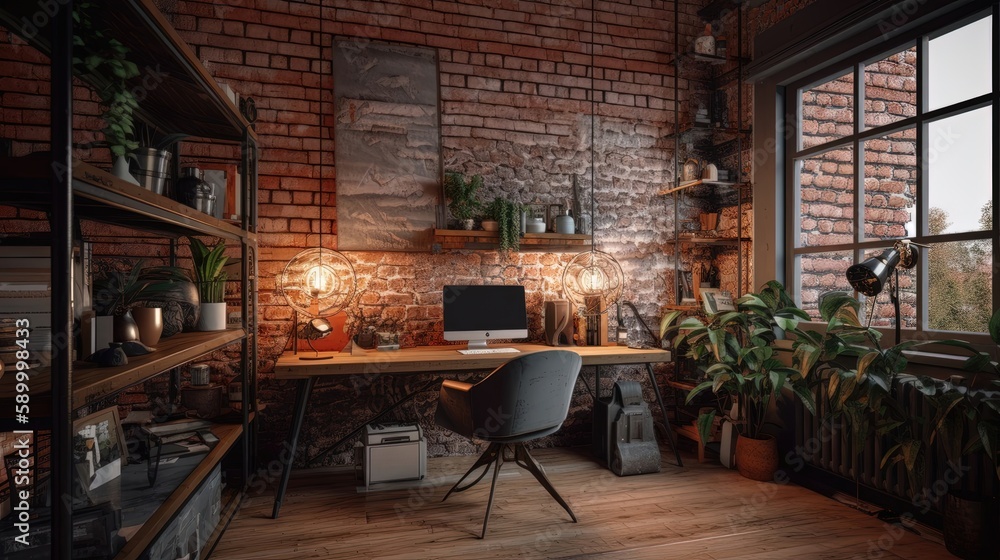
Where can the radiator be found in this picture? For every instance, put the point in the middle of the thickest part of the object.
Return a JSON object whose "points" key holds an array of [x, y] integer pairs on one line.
{"points": [[827, 445]]}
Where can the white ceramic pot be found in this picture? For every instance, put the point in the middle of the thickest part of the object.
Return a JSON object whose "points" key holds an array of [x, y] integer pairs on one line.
{"points": [[121, 170], [213, 317]]}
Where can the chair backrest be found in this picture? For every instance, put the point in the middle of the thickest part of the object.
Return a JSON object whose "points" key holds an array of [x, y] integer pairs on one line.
{"points": [[528, 394]]}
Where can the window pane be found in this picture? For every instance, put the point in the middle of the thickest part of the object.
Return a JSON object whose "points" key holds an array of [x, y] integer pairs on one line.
{"points": [[890, 185], [827, 111], [820, 273], [959, 162], [959, 278], [960, 64], [891, 88], [884, 313], [826, 188]]}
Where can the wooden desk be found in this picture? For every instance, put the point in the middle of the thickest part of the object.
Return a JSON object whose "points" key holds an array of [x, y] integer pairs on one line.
{"points": [[307, 372]]}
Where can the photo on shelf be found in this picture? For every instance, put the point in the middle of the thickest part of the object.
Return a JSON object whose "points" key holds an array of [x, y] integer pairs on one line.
{"points": [[99, 455], [225, 177], [715, 300]]}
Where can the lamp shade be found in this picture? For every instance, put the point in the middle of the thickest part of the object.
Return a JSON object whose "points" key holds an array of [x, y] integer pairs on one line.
{"points": [[870, 276], [318, 282], [593, 281]]}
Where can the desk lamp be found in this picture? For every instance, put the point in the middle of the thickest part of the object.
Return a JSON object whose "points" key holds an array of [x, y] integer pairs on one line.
{"points": [[316, 283], [870, 276]]}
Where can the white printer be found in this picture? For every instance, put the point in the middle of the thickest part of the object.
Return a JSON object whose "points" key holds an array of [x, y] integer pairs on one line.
{"points": [[391, 452]]}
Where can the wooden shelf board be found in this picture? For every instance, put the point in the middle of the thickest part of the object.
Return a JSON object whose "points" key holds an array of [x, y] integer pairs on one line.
{"points": [[136, 546], [101, 196], [452, 239], [92, 382]]}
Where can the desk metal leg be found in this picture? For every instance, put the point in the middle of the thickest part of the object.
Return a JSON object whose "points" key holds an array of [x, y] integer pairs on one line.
{"points": [[666, 418], [305, 387]]}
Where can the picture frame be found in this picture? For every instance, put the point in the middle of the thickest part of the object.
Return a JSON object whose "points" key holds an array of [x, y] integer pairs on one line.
{"points": [[715, 300], [226, 177], [686, 286], [99, 454]]}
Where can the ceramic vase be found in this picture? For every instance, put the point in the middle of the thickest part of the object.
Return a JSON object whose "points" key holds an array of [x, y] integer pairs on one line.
{"points": [[124, 328], [757, 459], [121, 170], [150, 323], [213, 317]]}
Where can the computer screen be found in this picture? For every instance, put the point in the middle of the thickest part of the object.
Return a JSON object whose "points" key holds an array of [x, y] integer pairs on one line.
{"points": [[481, 313]]}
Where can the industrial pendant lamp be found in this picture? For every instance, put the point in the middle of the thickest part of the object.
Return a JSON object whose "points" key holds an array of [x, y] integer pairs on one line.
{"points": [[593, 281], [317, 282]]}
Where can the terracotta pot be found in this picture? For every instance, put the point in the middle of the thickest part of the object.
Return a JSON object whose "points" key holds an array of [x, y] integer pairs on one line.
{"points": [[150, 323], [757, 459], [967, 532]]}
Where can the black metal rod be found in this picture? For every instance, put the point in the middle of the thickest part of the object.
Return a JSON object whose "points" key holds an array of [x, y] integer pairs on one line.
{"points": [[61, 225], [666, 418], [305, 387]]}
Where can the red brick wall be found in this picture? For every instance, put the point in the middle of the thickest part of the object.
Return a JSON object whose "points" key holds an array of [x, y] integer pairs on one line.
{"points": [[515, 107]]}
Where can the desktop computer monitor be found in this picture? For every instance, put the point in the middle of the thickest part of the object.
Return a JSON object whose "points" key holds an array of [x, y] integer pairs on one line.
{"points": [[481, 313]]}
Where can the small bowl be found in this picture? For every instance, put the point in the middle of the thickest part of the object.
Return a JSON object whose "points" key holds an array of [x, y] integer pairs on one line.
{"points": [[490, 225], [534, 227]]}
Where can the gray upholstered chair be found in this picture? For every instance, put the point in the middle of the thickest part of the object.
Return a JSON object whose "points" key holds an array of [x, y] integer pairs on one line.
{"points": [[526, 398]]}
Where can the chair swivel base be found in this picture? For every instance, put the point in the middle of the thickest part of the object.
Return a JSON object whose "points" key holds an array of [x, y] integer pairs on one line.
{"points": [[495, 453]]}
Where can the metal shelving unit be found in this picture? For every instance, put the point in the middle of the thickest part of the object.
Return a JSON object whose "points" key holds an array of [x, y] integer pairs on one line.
{"points": [[187, 100]]}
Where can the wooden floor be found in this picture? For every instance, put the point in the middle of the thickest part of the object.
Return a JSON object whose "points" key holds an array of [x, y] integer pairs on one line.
{"points": [[701, 511]]}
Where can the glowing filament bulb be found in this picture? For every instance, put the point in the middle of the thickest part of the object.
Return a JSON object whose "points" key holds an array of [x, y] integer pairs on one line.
{"points": [[321, 281], [593, 280]]}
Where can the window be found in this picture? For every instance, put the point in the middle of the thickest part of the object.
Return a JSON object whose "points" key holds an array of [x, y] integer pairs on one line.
{"points": [[899, 143]]}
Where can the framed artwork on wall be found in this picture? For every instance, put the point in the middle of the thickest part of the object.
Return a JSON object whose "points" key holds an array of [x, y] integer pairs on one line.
{"points": [[388, 146]]}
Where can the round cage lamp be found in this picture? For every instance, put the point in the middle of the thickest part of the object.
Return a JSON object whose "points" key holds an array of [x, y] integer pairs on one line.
{"points": [[593, 281], [317, 283]]}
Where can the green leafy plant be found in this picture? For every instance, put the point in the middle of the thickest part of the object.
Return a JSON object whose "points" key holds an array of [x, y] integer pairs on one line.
{"points": [[742, 365], [118, 292], [462, 201], [967, 418], [209, 275], [863, 378], [98, 54], [508, 217]]}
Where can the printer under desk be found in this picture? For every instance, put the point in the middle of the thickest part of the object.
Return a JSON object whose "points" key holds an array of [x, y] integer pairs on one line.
{"points": [[391, 452]]}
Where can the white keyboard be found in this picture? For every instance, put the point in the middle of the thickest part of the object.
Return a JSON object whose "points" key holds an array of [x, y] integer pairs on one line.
{"points": [[489, 351]]}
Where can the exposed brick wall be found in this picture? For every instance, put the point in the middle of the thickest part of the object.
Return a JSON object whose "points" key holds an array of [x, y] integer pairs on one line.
{"points": [[516, 106], [827, 180]]}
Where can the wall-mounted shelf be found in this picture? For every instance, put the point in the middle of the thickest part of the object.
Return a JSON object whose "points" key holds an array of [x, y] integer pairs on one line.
{"points": [[456, 239]]}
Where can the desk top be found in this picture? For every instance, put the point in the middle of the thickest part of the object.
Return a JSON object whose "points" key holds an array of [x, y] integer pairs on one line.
{"points": [[445, 358]]}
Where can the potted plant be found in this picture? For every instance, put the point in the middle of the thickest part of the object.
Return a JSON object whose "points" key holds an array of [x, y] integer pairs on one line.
{"points": [[118, 293], [462, 201], [507, 216], [863, 378], [99, 54], [210, 278], [966, 424], [743, 369]]}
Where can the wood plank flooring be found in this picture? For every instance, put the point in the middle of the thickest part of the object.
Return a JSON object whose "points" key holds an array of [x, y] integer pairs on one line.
{"points": [[698, 512]]}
